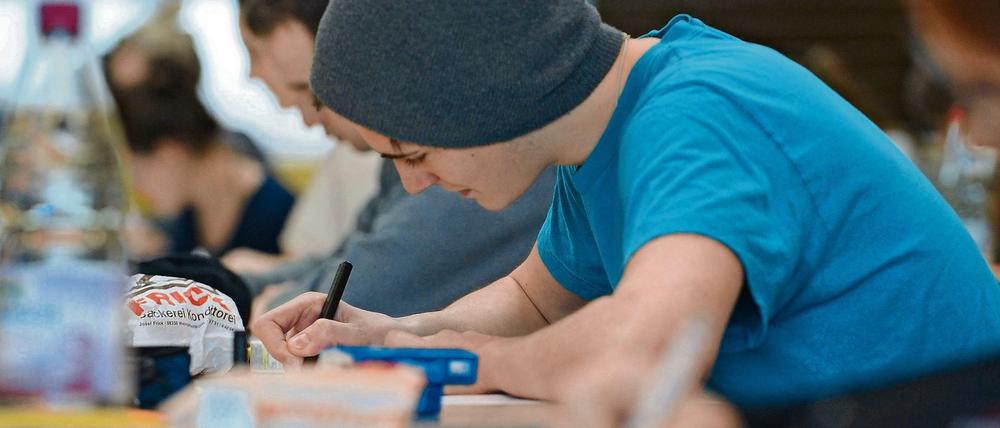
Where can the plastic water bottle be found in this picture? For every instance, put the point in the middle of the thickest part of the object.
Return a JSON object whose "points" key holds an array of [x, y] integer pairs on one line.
{"points": [[62, 264], [965, 179]]}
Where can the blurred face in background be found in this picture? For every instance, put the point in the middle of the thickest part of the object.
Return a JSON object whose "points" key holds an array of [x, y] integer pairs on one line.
{"points": [[127, 66], [282, 60], [969, 53], [156, 175]]}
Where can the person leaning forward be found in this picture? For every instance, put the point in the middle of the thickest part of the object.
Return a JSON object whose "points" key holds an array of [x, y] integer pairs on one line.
{"points": [[411, 253], [699, 176]]}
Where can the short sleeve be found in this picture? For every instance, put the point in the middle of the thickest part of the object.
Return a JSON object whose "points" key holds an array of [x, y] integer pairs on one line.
{"points": [[566, 243], [695, 162]]}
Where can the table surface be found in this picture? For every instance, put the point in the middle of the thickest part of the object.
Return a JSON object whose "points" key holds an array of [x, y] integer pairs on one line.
{"points": [[491, 410]]}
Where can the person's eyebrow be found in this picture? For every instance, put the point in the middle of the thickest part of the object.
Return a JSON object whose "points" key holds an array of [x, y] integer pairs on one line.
{"points": [[397, 148]]}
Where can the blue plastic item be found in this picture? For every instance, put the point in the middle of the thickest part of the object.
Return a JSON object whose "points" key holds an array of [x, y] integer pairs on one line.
{"points": [[441, 366]]}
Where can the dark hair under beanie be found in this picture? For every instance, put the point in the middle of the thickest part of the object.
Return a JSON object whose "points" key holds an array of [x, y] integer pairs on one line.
{"points": [[459, 73]]}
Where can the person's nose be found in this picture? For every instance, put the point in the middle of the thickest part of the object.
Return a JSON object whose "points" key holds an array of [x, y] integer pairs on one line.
{"points": [[309, 116], [414, 179], [255, 70]]}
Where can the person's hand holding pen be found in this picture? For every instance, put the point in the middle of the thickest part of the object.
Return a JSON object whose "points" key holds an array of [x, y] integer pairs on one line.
{"points": [[295, 330], [300, 329], [311, 322]]}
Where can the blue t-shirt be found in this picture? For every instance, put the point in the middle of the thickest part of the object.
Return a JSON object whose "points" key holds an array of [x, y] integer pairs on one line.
{"points": [[857, 273]]}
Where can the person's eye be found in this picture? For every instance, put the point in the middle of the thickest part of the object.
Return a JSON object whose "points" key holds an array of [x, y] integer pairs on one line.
{"points": [[414, 161], [316, 103]]}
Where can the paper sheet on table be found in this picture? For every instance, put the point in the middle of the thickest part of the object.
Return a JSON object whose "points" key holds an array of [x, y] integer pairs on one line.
{"points": [[485, 400]]}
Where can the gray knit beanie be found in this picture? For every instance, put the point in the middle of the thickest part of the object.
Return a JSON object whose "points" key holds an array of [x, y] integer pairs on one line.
{"points": [[459, 73]]}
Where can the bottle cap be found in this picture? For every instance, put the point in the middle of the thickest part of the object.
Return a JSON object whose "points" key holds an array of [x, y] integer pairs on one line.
{"points": [[64, 16]]}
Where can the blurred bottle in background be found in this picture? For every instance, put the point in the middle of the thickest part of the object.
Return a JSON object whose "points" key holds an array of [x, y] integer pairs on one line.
{"points": [[965, 179], [62, 266]]}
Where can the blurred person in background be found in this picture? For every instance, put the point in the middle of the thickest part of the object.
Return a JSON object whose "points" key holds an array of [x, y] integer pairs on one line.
{"points": [[128, 62], [964, 39], [344, 181], [411, 253], [208, 186], [321, 216]]}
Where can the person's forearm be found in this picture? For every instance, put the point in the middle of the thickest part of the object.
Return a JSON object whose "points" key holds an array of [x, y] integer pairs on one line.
{"points": [[668, 282], [499, 309], [536, 366]]}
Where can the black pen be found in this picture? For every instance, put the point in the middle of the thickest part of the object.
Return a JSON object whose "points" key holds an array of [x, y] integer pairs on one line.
{"points": [[334, 295]]}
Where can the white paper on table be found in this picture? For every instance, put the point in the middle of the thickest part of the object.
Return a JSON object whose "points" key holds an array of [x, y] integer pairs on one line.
{"points": [[486, 400]]}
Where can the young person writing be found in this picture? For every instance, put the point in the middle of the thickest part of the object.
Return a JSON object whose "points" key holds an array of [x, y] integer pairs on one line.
{"points": [[699, 177]]}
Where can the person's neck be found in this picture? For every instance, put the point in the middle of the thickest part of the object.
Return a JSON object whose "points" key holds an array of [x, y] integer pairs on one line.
{"points": [[574, 136], [223, 182]]}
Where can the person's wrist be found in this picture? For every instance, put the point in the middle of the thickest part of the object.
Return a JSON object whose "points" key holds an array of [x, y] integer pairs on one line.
{"points": [[495, 358], [380, 326], [422, 324]]}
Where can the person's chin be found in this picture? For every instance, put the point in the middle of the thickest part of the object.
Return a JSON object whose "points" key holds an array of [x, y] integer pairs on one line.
{"points": [[491, 204], [167, 212]]}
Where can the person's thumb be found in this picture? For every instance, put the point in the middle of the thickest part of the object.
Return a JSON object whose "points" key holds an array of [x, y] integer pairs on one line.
{"points": [[324, 333]]}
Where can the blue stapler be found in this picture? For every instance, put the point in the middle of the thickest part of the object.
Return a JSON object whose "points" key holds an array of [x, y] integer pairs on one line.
{"points": [[441, 366]]}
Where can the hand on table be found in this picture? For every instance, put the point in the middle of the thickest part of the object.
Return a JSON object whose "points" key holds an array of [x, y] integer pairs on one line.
{"points": [[293, 331]]}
